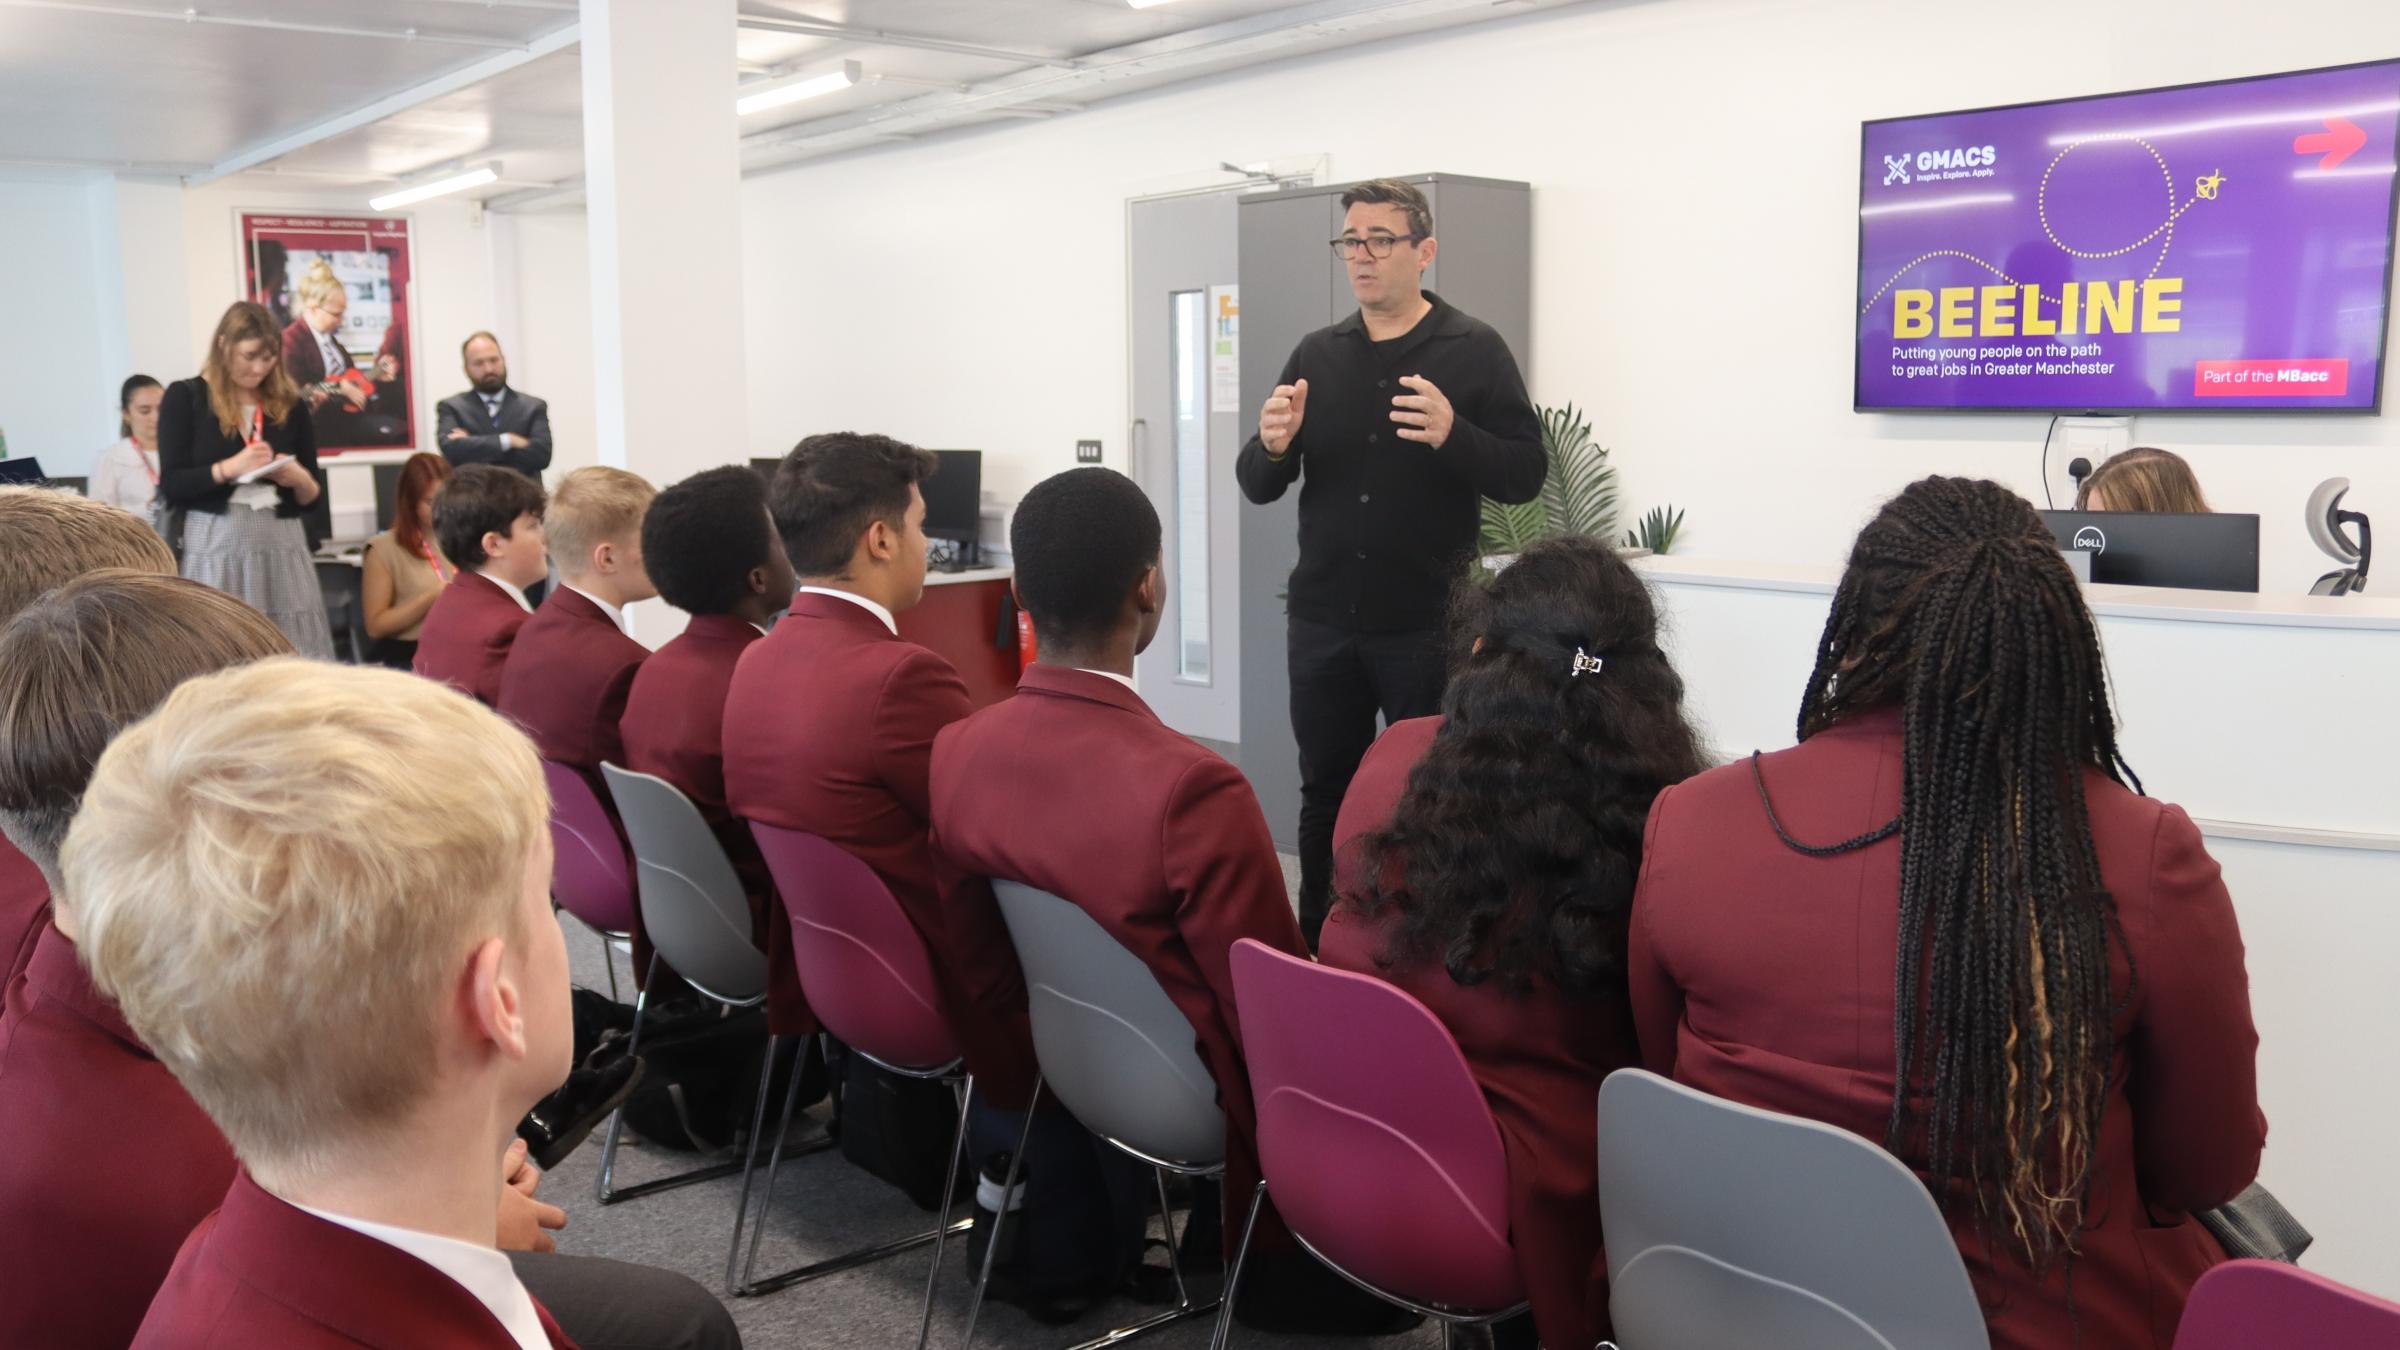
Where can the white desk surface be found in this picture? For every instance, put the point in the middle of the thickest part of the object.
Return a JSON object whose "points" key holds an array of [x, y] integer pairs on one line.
{"points": [[971, 574], [2134, 602]]}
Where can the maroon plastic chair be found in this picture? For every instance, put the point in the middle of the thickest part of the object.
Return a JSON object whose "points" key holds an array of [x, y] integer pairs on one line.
{"points": [[1374, 1139], [589, 877], [867, 976], [2242, 1305]]}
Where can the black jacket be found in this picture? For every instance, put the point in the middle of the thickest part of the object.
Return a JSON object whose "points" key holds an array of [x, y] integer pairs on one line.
{"points": [[523, 414], [1388, 525], [190, 440]]}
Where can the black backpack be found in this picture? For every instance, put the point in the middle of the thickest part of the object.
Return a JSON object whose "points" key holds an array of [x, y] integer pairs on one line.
{"points": [[700, 1074]]}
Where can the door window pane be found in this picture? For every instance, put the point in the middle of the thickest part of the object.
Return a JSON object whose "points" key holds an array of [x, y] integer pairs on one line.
{"points": [[1187, 574]]}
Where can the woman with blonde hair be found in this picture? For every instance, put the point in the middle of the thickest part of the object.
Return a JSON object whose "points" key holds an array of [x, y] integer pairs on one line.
{"points": [[238, 472], [2144, 478]]}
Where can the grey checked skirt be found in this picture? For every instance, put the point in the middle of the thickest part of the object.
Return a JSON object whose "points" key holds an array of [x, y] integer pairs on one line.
{"points": [[262, 559]]}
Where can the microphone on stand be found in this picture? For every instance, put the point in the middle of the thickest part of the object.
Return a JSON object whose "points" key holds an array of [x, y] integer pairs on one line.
{"points": [[2079, 469]]}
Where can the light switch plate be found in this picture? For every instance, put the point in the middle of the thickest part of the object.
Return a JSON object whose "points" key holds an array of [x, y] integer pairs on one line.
{"points": [[1087, 452]]}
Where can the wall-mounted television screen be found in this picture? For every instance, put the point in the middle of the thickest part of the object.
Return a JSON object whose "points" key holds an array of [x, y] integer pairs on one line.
{"points": [[2210, 247]]}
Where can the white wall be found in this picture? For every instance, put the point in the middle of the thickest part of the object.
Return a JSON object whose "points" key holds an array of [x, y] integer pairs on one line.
{"points": [[1694, 172], [61, 337]]}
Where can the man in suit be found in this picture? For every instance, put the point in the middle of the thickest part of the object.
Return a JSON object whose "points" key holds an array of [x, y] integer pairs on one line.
{"points": [[492, 423], [830, 720], [74, 1077], [1075, 787], [488, 522], [711, 549], [48, 538]]}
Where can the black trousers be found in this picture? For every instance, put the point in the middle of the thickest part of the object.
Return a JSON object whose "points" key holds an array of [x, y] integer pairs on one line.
{"points": [[613, 1305], [1340, 681]]}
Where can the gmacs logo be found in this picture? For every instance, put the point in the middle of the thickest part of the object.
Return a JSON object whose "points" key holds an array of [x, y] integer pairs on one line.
{"points": [[1933, 166], [2090, 538]]}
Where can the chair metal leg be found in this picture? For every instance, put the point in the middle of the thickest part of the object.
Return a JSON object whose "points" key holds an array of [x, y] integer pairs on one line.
{"points": [[1166, 1220], [758, 1126], [608, 958], [1233, 1277], [753, 1285], [766, 1203], [958, 1156], [1008, 1189], [1184, 1307], [604, 1187]]}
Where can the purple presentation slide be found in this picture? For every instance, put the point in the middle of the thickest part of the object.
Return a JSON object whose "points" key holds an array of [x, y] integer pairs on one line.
{"points": [[2213, 247]]}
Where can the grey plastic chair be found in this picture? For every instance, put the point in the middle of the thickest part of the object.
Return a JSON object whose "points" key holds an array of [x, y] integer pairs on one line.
{"points": [[1120, 1055], [1728, 1225], [698, 918]]}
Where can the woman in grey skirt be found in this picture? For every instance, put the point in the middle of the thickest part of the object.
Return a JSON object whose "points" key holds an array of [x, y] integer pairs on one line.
{"points": [[239, 416]]}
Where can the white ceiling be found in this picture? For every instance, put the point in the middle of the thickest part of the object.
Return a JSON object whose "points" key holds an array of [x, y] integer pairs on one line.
{"points": [[359, 95]]}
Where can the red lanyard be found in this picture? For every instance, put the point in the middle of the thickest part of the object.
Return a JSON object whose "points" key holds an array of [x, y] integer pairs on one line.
{"points": [[144, 457], [258, 422], [434, 561]]}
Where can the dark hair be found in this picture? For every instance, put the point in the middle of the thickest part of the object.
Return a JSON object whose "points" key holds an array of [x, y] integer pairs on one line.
{"points": [[704, 534], [89, 659], [831, 487], [421, 479], [1957, 607], [481, 499], [134, 384], [1081, 541], [1393, 192], [1514, 849]]}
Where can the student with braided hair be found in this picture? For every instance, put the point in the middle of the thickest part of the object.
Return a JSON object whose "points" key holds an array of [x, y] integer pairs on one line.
{"points": [[1949, 922]]}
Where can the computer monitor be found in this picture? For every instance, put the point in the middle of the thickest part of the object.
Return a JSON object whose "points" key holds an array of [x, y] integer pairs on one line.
{"points": [[2214, 551], [954, 496], [27, 471], [387, 495]]}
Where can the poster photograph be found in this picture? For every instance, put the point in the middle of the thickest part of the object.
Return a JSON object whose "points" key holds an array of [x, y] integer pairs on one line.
{"points": [[339, 286]]}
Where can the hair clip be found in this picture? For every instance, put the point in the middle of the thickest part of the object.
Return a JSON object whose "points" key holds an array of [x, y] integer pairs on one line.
{"points": [[1584, 664]]}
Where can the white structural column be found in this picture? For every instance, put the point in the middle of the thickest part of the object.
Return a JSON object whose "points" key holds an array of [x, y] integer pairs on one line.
{"points": [[662, 176]]}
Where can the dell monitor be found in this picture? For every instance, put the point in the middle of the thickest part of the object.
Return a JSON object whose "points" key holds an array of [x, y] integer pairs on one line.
{"points": [[954, 500], [387, 495], [2214, 551]]}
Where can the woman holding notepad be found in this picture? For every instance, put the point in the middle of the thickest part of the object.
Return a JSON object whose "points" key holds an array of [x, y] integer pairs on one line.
{"points": [[238, 472]]}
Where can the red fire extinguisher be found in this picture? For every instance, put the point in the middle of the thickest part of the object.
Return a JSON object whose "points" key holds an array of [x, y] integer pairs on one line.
{"points": [[1027, 652]]}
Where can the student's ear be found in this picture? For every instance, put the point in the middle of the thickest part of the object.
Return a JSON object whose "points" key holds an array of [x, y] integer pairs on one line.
{"points": [[758, 580], [495, 543], [495, 1004], [1150, 597], [1015, 594], [604, 558]]}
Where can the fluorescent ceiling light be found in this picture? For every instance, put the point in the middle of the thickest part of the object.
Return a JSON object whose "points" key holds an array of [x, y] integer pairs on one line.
{"points": [[767, 94], [439, 187], [1147, 4]]}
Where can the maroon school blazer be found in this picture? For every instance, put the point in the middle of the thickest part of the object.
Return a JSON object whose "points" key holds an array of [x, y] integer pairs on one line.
{"points": [[107, 1161], [24, 908], [1765, 976], [262, 1272], [467, 634], [1538, 1058], [1075, 787], [829, 729], [674, 728], [565, 682]]}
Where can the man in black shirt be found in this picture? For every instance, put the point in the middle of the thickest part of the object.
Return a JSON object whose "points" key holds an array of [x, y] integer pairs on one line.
{"points": [[1404, 415]]}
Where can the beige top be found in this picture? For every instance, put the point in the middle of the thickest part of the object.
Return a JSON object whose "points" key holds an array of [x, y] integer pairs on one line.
{"points": [[412, 575]]}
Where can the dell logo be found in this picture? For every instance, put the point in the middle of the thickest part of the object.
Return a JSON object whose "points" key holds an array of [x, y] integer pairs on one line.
{"points": [[2090, 537]]}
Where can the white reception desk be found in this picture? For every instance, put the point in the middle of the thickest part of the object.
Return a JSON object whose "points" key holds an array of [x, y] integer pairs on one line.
{"points": [[2274, 721]]}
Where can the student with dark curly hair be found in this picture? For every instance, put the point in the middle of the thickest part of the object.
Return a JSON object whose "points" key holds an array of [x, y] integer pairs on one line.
{"points": [[1485, 861], [1948, 921]]}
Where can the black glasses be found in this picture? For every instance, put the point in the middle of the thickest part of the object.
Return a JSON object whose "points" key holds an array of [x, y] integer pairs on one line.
{"points": [[1377, 246]]}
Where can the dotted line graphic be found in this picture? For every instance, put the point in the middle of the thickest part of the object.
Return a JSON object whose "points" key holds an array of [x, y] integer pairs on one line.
{"points": [[2164, 231]]}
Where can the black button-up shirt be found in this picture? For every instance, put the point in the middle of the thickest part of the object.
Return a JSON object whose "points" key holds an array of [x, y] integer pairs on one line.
{"points": [[1387, 525]]}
